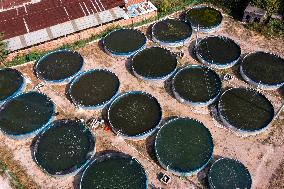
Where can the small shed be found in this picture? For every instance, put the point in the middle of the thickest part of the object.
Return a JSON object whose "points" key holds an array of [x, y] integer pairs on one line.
{"points": [[253, 14]]}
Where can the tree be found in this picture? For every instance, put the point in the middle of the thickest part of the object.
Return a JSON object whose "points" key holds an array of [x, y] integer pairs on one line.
{"points": [[3, 49], [163, 6], [272, 6]]}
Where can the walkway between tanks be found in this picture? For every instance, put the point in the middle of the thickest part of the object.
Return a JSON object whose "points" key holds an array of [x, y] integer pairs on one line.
{"points": [[121, 145]]}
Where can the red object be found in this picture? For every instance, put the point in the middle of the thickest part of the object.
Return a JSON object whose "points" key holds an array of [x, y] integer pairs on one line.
{"points": [[107, 129]]}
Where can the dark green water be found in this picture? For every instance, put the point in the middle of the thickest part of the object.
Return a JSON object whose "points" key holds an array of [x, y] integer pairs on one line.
{"points": [[94, 88], [264, 68], [26, 113], [114, 172], [64, 147], [135, 114], [59, 65], [204, 17], [124, 41], [246, 109], [197, 84], [11, 81], [171, 30], [154, 63], [219, 50], [184, 145], [229, 174]]}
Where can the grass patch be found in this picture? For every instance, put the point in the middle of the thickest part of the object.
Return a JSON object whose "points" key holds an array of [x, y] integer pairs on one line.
{"points": [[275, 28], [18, 176]]}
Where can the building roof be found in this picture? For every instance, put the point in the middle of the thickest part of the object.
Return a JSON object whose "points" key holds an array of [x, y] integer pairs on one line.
{"points": [[36, 16], [9, 4], [255, 10]]}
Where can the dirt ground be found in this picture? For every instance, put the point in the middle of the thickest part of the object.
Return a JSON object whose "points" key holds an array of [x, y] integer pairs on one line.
{"points": [[262, 154], [4, 183]]}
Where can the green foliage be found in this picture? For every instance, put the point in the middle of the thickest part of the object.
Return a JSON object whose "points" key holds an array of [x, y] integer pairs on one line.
{"points": [[35, 55], [271, 6], [169, 6], [13, 179], [274, 28], [164, 6], [3, 49]]}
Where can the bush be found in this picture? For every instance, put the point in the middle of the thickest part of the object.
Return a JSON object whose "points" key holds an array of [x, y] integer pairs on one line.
{"points": [[3, 49], [274, 28]]}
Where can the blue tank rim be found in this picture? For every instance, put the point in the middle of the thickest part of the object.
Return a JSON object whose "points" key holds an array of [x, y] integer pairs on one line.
{"points": [[71, 171], [174, 43], [205, 29], [101, 105], [36, 131], [215, 65], [259, 84], [176, 172], [109, 156], [143, 135], [153, 78], [242, 131], [225, 158], [126, 54], [60, 80], [19, 90], [187, 101]]}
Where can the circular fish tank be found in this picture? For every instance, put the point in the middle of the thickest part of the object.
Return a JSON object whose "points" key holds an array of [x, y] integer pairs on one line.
{"points": [[183, 146], [26, 114], [196, 85], [112, 171], [59, 66], [135, 115], [245, 110], [64, 148], [124, 42], [12, 82], [94, 88], [171, 32], [203, 18], [230, 174], [154, 63], [264, 70], [218, 52]]}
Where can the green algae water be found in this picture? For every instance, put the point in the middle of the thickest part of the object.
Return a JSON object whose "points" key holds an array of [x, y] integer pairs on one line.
{"points": [[26, 113], [11, 82], [202, 17], [134, 114], [264, 68], [94, 88], [218, 51], [124, 41], [59, 65], [64, 148], [154, 63], [171, 31], [197, 84], [114, 172], [230, 174], [183, 146], [245, 109]]}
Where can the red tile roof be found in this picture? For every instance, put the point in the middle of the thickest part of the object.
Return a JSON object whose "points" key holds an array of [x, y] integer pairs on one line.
{"points": [[46, 13], [7, 4]]}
